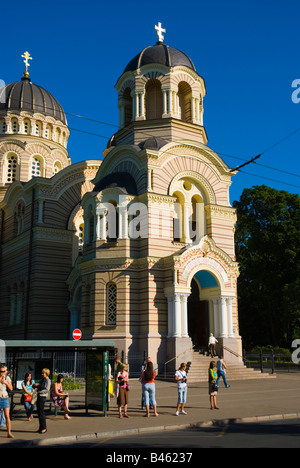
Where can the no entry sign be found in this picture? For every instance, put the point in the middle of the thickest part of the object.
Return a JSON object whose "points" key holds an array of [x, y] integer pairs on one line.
{"points": [[77, 334]]}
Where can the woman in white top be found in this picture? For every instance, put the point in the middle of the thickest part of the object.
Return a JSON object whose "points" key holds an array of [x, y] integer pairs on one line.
{"points": [[180, 378], [5, 384]]}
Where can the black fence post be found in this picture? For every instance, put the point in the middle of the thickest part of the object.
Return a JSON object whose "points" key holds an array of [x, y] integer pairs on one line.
{"points": [[261, 361], [273, 362]]}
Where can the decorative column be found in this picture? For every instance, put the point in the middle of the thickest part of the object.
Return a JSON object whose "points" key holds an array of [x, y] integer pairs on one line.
{"points": [[216, 316], [229, 317], [184, 315], [186, 222], [177, 316], [165, 102], [223, 317], [170, 316], [40, 211]]}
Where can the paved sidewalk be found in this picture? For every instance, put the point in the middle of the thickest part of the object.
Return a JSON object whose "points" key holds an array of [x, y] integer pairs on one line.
{"points": [[244, 401]]}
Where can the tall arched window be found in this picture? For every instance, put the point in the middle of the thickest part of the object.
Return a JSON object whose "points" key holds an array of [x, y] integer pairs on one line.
{"points": [[2, 126], [184, 101], [12, 168], [27, 126], [14, 125], [37, 167], [154, 100], [19, 217], [57, 167], [111, 304], [48, 131], [38, 128], [127, 101]]}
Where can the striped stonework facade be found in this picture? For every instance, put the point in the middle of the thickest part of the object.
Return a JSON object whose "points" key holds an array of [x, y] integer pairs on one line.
{"points": [[137, 248]]}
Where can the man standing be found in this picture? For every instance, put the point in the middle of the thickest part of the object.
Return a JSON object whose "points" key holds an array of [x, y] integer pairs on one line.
{"points": [[212, 345]]}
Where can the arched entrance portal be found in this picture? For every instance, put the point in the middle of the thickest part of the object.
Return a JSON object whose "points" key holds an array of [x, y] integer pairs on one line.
{"points": [[203, 285]]}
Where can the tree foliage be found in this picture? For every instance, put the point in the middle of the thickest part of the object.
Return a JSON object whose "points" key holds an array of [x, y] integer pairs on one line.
{"points": [[267, 249]]}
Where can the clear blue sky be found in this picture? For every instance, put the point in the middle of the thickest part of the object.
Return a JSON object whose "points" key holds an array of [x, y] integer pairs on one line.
{"points": [[247, 52]]}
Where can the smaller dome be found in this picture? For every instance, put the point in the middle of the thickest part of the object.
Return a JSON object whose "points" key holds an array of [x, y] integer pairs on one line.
{"points": [[162, 54], [26, 96], [153, 143]]}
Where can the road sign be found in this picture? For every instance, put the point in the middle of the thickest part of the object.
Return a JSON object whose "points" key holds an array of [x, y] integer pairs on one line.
{"points": [[77, 334]]}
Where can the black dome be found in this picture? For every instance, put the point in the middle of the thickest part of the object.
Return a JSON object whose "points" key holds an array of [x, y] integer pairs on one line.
{"points": [[26, 96], [162, 54]]}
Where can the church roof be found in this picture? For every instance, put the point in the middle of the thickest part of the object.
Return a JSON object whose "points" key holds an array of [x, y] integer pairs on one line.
{"points": [[26, 96], [160, 53], [122, 180]]}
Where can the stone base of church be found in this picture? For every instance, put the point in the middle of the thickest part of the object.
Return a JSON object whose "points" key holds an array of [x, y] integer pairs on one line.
{"points": [[179, 349], [231, 349]]}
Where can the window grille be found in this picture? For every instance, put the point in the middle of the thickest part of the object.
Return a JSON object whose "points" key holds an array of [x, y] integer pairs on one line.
{"points": [[111, 304]]}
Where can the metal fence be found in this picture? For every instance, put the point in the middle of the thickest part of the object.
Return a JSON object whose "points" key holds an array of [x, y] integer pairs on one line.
{"points": [[271, 362]]}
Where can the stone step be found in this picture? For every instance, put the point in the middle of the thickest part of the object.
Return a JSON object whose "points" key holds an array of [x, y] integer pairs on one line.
{"points": [[197, 371]]}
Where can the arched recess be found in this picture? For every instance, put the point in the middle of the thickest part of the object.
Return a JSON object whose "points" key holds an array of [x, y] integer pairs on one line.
{"points": [[127, 106], [184, 101], [154, 99], [200, 312], [75, 308]]}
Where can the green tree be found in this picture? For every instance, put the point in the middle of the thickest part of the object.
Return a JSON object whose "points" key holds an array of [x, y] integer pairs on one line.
{"points": [[267, 249]]}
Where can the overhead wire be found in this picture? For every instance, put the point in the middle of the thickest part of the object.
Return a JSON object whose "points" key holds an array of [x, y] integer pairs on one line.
{"points": [[238, 168]]}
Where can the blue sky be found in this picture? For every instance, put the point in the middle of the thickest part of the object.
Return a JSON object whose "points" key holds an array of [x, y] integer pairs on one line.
{"points": [[247, 52]]}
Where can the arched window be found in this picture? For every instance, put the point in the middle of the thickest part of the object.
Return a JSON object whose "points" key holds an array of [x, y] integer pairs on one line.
{"points": [[19, 216], [57, 167], [184, 101], [178, 220], [197, 221], [154, 100], [111, 304], [38, 129], [17, 299], [2, 126], [127, 102], [14, 125], [27, 126], [57, 135], [48, 131], [12, 168], [37, 167]]}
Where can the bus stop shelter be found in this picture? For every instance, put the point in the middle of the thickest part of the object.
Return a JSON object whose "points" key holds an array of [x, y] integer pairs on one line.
{"points": [[33, 356]]}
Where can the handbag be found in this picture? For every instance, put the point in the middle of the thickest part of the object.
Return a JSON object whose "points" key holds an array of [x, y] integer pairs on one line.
{"points": [[215, 388], [110, 387]]}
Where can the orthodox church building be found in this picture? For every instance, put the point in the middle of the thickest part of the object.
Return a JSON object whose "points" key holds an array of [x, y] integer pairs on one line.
{"points": [[137, 248]]}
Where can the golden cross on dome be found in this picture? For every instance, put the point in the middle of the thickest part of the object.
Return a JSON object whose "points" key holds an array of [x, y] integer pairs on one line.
{"points": [[27, 57], [160, 30]]}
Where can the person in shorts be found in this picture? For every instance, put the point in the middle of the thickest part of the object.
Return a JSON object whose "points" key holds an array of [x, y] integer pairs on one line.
{"points": [[181, 379]]}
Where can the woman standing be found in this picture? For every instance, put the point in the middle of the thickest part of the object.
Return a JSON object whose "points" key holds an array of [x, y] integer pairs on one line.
{"points": [[122, 381], [27, 390], [212, 384], [59, 397], [148, 381], [5, 385], [43, 388]]}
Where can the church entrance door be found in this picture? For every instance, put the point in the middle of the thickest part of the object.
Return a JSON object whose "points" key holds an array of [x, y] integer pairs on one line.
{"points": [[198, 318]]}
